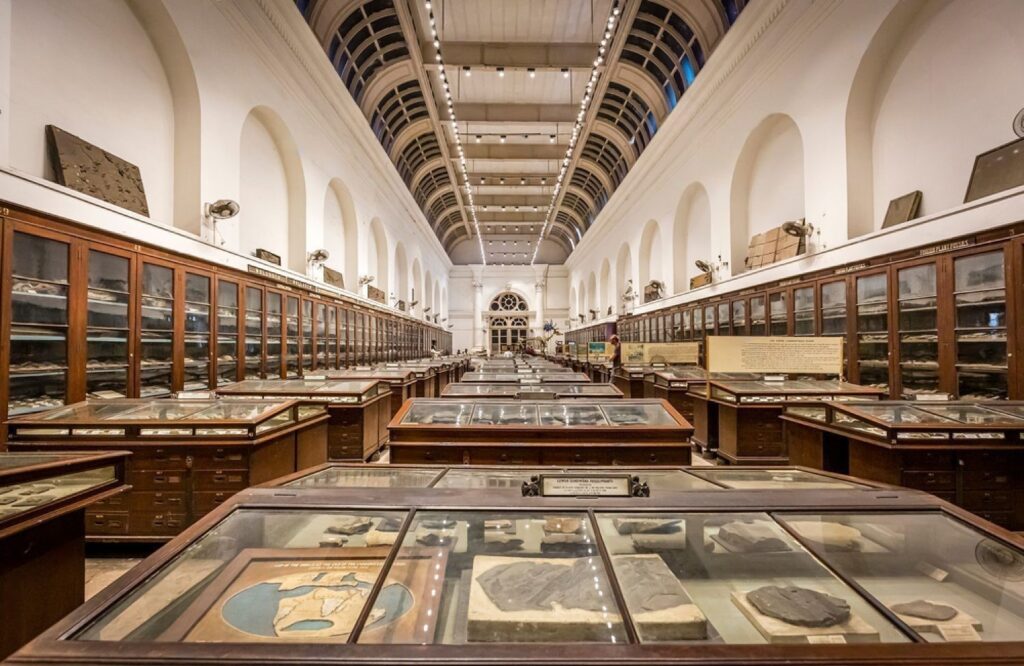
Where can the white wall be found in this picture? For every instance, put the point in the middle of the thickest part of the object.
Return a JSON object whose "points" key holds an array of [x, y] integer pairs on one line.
{"points": [[824, 110], [263, 219]]}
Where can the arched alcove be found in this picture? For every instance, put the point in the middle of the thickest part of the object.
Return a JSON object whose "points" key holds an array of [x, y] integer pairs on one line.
{"points": [[914, 119], [607, 299], [377, 256], [272, 190], [581, 302], [444, 302], [767, 184], [623, 274], [573, 304], [435, 300], [416, 290], [401, 288], [651, 251], [341, 236], [592, 296], [691, 234]]}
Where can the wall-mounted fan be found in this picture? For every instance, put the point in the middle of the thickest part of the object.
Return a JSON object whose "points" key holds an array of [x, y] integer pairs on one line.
{"points": [[365, 280], [798, 228], [703, 266]]}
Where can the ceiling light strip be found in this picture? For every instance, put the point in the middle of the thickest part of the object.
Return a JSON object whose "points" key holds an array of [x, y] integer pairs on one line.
{"points": [[455, 126], [577, 127]]}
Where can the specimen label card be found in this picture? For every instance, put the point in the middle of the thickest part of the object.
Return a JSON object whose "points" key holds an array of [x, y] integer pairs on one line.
{"points": [[803, 355], [647, 353], [584, 486]]}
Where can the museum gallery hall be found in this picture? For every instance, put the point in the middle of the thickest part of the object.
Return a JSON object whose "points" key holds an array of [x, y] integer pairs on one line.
{"points": [[512, 331]]}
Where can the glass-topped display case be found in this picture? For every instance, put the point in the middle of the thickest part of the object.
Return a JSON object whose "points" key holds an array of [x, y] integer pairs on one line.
{"points": [[400, 380], [360, 409], [571, 431], [678, 376], [321, 574], [767, 392], [528, 392], [188, 456], [533, 378], [42, 532]]}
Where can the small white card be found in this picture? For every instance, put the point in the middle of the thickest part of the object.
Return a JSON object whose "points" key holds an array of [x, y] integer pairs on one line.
{"points": [[958, 633], [830, 639], [932, 572]]}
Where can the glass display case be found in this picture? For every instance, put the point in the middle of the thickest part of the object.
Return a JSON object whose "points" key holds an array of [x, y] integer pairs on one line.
{"points": [[42, 533], [108, 333], [765, 392], [275, 334], [254, 351], [38, 365], [401, 381], [873, 330], [918, 318], [981, 341], [292, 337], [320, 574], [227, 332], [156, 331], [532, 378], [540, 391], [197, 332]]}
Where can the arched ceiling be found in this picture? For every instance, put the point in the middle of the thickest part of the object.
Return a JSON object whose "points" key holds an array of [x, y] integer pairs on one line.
{"points": [[518, 70]]}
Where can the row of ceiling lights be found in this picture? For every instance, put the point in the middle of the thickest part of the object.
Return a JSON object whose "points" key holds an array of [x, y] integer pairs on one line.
{"points": [[578, 125], [455, 127], [504, 137], [532, 71], [522, 181]]}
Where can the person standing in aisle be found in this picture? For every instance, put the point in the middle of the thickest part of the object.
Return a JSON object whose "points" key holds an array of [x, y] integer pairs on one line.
{"points": [[616, 351]]}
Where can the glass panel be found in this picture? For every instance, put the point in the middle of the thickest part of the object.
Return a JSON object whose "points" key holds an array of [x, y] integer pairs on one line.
{"points": [[918, 326], [509, 578], [833, 308], [944, 579], [571, 415], [981, 347], [18, 498], [307, 334], [504, 414], [157, 330], [739, 317], [39, 316], [107, 354], [366, 477], [771, 479], [253, 333], [227, 333], [758, 322], [438, 413], [803, 311], [268, 576], [724, 327], [733, 578], [637, 414], [779, 321], [872, 330]]}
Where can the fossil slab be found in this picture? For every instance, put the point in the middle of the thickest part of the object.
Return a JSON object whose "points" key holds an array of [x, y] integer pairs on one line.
{"points": [[645, 526], [539, 585], [751, 537], [926, 610], [350, 525], [562, 525], [799, 606]]}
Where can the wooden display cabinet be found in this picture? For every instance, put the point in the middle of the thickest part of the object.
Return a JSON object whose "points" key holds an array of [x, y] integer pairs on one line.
{"points": [[530, 392], [43, 499], [749, 430], [187, 455], [673, 383], [630, 380], [970, 454], [541, 377], [401, 381], [359, 410], [551, 432]]}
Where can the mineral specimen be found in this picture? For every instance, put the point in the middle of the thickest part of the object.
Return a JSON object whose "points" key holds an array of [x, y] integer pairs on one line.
{"points": [[799, 606], [926, 610]]}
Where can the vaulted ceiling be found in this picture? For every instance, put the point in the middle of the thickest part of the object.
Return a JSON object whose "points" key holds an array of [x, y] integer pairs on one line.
{"points": [[517, 72]]}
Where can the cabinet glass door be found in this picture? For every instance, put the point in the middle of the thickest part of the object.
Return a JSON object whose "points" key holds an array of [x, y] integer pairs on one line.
{"points": [[107, 357], [157, 356], [803, 311], [698, 324], [687, 326], [321, 335], [724, 325], [833, 313], [227, 333], [275, 333], [292, 337], [917, 304], [677, 326], [758, 322], [778, 317], [332, 337], [739, 317], [39, 324], [253, 333], [981, 351], [307, 335], [197, 332], [873, 330]]}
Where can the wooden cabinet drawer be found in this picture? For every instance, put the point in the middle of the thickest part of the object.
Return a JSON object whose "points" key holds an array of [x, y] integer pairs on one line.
{"points": [[217, 479], [106, 522], [489, 455], [982, 480], [991, 460], [989, 500], [928, 460], [157, 479], [1001, 518], [117, 502], [219, 458], [430, 454], [208, 500], [148, 523], [930, 480], [679, 455], [347, 450], [163, 458], [148, 500]]}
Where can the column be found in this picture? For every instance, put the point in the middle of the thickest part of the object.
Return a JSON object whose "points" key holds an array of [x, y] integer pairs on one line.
{"points": [[478, 334], [538, 290]]}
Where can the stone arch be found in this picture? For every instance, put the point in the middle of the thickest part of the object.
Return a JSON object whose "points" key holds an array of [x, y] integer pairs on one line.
{"points": [[573, 305], [401, 283], [767, 183], [691, 234], [592, 301], [341, 232], [623, 274], [651, 251], [272, 189], [417, 292], [377, 256], [607, 299]]}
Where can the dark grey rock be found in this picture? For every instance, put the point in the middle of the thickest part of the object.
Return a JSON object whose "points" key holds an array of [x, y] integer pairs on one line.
{"points": [[648, 584], [646, 526], [800, 606], [437, 523], [926, 609], [506, 546], [389, 524], [751, 537], [529, 585], [433, 540], [350, 525]]}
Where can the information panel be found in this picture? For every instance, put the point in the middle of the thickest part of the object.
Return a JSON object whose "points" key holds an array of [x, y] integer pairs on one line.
{"points": [[597, 351], [648, 353], [790, 355]]}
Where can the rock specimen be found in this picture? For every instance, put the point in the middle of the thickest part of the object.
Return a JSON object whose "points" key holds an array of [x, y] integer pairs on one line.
{"points": [[527, 585], [562, 525], [832, 535], [751, 537], [433, 540], [497, 524], [437, 523], [350, 525], [648, 584], [645, 526], [332, 541], [926, 610], [799, 606], [506, 546], [389, 524]]}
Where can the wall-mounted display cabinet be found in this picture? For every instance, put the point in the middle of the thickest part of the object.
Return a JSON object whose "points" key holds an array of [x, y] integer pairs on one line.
{"points": [[188, 456], [359, 410], [968, 453], [551, 432], [931, 320], [43, 498], [323, 574], [91, 315]]}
